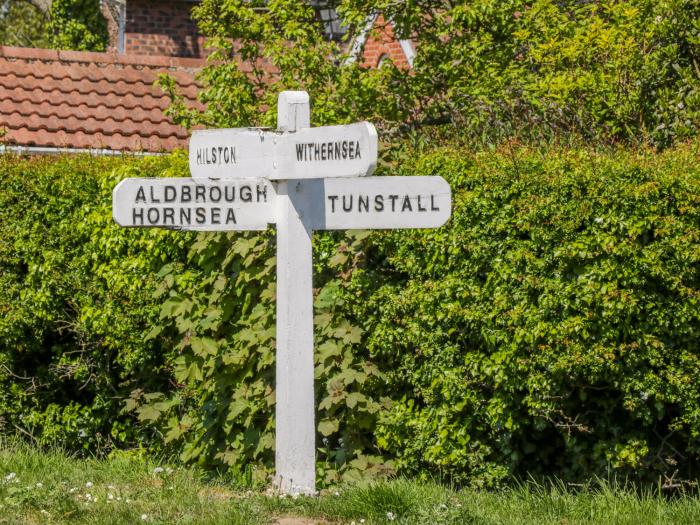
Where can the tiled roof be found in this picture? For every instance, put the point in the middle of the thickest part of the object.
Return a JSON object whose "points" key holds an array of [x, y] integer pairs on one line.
{"points": [[71, 99]]}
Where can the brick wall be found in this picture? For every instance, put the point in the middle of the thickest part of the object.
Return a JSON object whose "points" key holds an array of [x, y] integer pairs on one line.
{"points": [[158, 27], [382, 43]]}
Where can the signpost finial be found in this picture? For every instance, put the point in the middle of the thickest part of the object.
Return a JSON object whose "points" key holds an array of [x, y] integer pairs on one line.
{"points": [[293, 111]]}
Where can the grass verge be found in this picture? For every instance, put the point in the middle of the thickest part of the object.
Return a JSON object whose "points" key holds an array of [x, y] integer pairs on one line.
{"points": [[50, 488]]}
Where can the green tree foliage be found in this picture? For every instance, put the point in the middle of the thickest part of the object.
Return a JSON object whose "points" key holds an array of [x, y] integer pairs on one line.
{"points": [[78, 25], [612, 71], [22, 25], [66, 24]]}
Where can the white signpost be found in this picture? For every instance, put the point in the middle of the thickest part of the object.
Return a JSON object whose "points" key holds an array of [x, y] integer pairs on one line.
{"points": [[318, 187]]}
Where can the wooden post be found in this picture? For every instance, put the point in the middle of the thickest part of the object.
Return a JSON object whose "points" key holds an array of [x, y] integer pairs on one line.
{"points": [[295, 436]]}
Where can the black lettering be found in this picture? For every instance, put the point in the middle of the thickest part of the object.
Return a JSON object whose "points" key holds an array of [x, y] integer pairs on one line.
{"points": [[153, 217], [233, 154], [432, 204], [153, 198], [216, 215], [336, 151], [323, 151], [201, 215], [349, 206], [406, 204], [230, 217], [420, 208], [317, 151], [393, 198], [351, 150], [170, 194], [185, 215], [220, 148], [246, 193], [227, 155], [140, 195], [218, 194], [185, 194], [345, 149], [332, 198], [362, 201], [136, 214], [213, 155], [379, 203], [169, 214], [200, 193], [199, 156], [300, 151], [262, 192], [357, 150], [229, 193]]}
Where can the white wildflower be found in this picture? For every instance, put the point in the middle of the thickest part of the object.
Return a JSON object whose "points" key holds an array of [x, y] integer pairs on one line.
{"points": [[336, 493], [598, 220], [11, 476], [390, 516], [110, 497], [39, 485], [144, 517], [169, 471], [158, 470], [73, 490], [88, 485]]}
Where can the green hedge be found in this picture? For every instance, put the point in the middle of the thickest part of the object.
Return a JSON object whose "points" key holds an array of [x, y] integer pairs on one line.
{"points": [[550, 328], [76, 295]]}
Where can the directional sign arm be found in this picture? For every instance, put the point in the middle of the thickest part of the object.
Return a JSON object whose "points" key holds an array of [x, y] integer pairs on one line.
{"points": [[326, 151], [199, 205]]}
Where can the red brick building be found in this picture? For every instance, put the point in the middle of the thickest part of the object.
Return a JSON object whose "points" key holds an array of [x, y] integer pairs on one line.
{"points": [[166, 27], [52, 101]]}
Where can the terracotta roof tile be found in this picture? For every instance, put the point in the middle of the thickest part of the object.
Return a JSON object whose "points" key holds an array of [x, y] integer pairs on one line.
{"points": [[71, 99]]}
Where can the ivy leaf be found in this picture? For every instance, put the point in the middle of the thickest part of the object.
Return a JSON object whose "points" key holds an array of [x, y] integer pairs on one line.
{"points": [[328, 426]]}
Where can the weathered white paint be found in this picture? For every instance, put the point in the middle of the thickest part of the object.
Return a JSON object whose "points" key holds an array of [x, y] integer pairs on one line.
{"points": [[327, 151], [295, 432], [377, 203], [189, 204]]}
